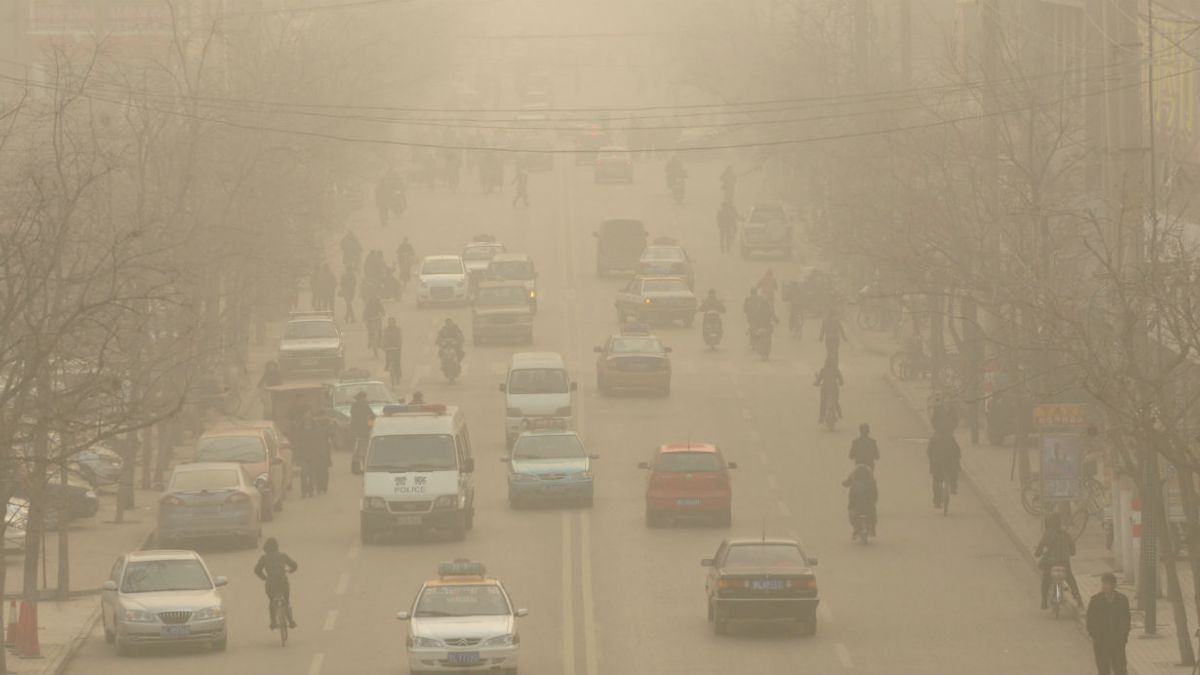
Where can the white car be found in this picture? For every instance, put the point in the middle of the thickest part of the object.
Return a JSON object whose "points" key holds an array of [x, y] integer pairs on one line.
{"points": [[463, 621], [442, 279]]}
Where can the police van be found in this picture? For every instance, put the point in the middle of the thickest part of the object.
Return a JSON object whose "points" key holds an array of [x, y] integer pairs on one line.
{"points": [[417, 473]]}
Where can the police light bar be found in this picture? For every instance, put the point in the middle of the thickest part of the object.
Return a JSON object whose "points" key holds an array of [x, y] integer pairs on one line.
{"points": [[401, 408], [461, 568]]}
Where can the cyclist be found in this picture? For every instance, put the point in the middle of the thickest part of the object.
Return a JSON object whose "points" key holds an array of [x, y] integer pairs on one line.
{"points": [[864, 449], [1054, 550], [273, 568], [944, 455]]}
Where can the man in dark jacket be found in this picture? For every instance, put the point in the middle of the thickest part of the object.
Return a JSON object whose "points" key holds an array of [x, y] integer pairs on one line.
{"points": [[1108, 626], [361, 417], [864, 449], [1055, 550], [944, 455]]}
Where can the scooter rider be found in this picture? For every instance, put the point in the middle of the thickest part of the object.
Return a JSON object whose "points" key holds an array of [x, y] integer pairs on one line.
{"points": [[864, 449], [863, 495], [450, 332], [1055, 550], [712, 303], [944, 454]]}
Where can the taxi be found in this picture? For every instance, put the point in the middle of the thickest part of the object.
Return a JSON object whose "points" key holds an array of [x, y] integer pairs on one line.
{"points": [[665, 257], [549, 462], [656, 298], [462, 621], [633, 360]]}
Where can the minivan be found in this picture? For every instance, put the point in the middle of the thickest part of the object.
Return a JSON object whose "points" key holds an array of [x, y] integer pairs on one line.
{"points": [[537, 386]]}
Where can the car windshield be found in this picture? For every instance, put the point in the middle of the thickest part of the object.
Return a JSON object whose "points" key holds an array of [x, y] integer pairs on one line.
{"points": [[765, 555], [663, 254], [538, 381], [208, 479], [636, 345], [518, 270], [510, 295], [548, 446], [412, 452], [155, 576], [231, 449], [300, 330], [687, 462], [480, 252], [377, 392], [663, 286], [442, 266], [462, 600]]}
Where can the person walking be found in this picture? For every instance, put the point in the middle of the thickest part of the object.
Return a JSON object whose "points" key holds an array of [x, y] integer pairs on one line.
{"points": [[352, 250], [1108, 626], [303, 450], [727, 217], [328, 288], [393, 341], [832, 334], [389, 196], [521, 180], [348, 286]]}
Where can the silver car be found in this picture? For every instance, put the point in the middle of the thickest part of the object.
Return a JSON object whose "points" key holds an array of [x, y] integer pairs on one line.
{"points": [[162, 597], [208, 500]]}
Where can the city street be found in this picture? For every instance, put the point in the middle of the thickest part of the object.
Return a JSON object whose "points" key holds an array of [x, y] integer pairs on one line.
{"points": [[605, 594]]}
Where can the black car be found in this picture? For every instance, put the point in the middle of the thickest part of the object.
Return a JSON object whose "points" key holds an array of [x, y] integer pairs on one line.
{"points": [[82, 501], [620, 242], [761, 579]]}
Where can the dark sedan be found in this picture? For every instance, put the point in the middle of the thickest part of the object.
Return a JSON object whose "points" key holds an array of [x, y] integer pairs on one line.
{"points": [[761, 579]]}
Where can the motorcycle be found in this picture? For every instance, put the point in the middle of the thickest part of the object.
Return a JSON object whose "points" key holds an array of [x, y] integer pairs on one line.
{"points": [[760, 340], [451, 360], [711, 329]]}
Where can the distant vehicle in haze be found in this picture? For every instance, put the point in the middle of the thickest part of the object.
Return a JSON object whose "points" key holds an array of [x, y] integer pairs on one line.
{"points": [[442, 280], [311, 342], [620, 242], [761, 579], [651, 299], [614, 164]]}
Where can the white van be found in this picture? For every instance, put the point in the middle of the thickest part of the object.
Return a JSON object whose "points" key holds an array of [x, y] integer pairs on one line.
{"points": [[417, 473], [537, 385]]}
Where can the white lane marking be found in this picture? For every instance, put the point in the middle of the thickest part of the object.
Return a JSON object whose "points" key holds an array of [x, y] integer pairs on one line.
{"points": [[824, 611], [342, 584], [772, 481], [331, 619], [589, 607], [314, 667], [784, 510], [354, 550], [568, 594], [746, 413], [843, 655]]}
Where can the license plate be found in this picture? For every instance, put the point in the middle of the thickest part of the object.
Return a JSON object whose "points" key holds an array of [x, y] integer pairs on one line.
{"points": [[766, 584], [463, 658], [178, 630], [687, 502], [407, 520]]}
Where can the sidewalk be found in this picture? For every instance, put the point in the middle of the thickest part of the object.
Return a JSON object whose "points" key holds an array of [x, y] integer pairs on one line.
{"points": [[988, 472]]}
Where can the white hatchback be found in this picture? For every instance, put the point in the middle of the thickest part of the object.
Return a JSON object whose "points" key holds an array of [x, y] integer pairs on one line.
{"points": [[442, 280]]}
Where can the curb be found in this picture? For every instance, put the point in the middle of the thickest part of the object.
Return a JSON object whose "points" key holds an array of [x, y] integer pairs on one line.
{"points": [[57, 664], [984, 498]]}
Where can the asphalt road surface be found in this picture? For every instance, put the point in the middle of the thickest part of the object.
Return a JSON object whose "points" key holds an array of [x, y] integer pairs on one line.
{"points": [[606, 595]]}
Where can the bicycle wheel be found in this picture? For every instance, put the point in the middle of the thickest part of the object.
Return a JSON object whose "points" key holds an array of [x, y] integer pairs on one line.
{"points": [[281, 618], [1078, 523]]}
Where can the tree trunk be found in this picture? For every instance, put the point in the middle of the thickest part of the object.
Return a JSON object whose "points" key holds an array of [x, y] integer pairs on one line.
{"points": [[1174, 592], [1191, 512], [63, 590]]}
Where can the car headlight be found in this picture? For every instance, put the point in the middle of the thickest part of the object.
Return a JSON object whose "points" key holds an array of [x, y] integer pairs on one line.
{"points": [[512, 412], [208, 613], [446, 502], [424, 284], [423, 642], [374, 503], [564, 411], [523, 478], [140, 616], [532, 295], [502, 641]]}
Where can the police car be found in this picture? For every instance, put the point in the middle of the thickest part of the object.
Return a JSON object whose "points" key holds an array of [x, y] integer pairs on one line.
{"points": [[463, 621], [549, 461]]}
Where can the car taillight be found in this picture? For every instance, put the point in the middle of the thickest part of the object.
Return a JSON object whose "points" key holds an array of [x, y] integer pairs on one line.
{"points": [[237, 498], [810, 583], [728, 584], [170, 500]]}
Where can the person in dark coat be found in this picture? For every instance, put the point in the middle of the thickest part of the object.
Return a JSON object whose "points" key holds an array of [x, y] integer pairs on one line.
{"points": [[832, 333], [303, 450], [392, 344], [863, 496], [1108, 626], [944, 455], [1055, 550], [864, 449]]}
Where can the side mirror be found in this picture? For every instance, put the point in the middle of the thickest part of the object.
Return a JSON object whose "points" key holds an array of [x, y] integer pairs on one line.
{"points": [[643, 465], [220, 581], [469, 465], [706, 562], [110, 585], [812, 561], [402, 616], [574, 386], [732, 465], [598, 350], [521, 612], [503, 387]]}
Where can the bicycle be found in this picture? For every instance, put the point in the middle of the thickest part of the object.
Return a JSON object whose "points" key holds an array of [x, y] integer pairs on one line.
{"points": [[282, 613], [943, 486]]}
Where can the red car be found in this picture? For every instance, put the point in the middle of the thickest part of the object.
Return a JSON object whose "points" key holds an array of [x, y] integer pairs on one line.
{"points": [[688, 480]]}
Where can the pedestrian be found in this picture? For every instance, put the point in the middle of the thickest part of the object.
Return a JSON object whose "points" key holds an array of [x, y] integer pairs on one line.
{"points": [[361, 418], [944, 456], [271, 377], [727, 225], [373, 317], [349, 283], [352, 250], [832, 334], [328, 288], [392, 344], [1108, 626], [521, 180]]}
